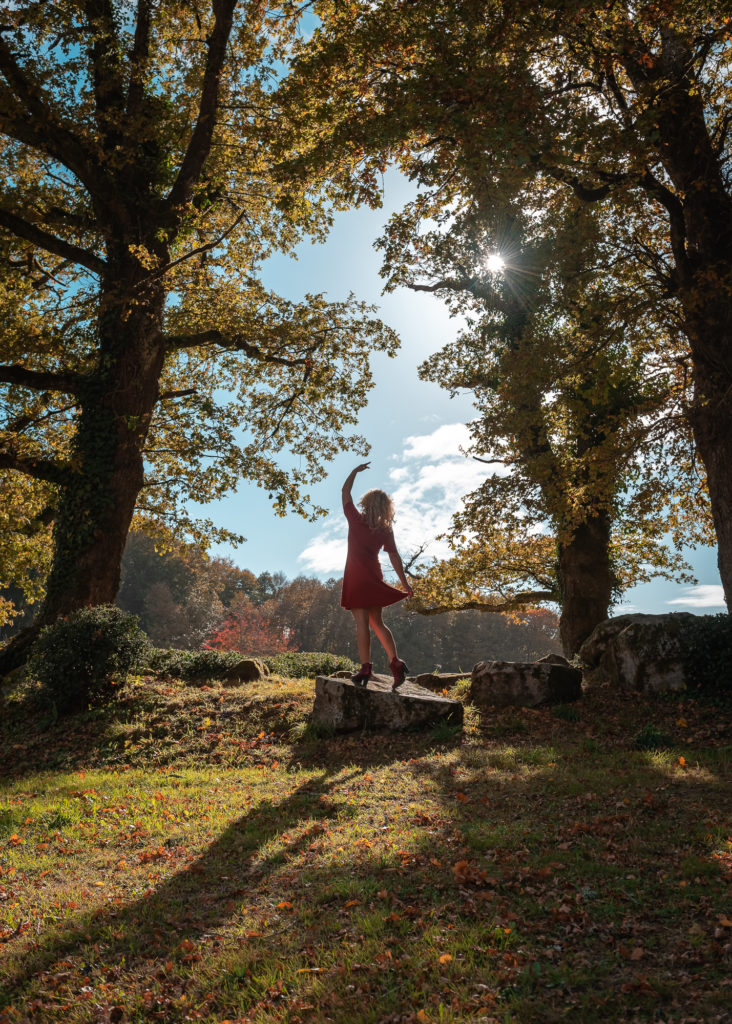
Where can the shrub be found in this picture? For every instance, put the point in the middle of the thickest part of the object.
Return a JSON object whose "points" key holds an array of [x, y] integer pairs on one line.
{"points": [[82, 659], [191, 665], [308, 664], [212, 664], [707, 652]]}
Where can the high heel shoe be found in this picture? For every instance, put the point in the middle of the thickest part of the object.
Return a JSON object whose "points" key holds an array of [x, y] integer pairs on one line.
{"points": [[399, 671], [364, 673]]}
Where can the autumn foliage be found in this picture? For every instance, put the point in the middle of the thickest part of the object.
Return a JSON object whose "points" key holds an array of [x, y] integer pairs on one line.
{"points": [[251, 630]]}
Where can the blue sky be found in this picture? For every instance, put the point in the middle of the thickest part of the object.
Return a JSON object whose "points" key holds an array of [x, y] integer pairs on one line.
{"points": [[414, 428]]}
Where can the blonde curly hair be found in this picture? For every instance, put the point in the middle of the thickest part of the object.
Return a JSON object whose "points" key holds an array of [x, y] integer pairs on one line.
{"points": [[377, 509]]}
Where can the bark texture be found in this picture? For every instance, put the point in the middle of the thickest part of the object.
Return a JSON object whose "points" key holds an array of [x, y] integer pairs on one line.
{"points": [[585, 580], [700, 222]]}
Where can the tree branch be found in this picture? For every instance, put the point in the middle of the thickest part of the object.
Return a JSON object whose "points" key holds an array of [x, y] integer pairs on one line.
{"points": [[587, 193], [40, 380], [35, 124], [237, 342], [51, 243], [139, 57], [200, 143], [528, 597], [677, 225], [206, 247], [465, 284], [104, 74], [183, 393], [40, 469]]}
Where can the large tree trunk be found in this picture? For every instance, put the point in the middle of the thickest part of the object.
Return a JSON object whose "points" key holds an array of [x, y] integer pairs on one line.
{"points": [[701, 237], [712, 425], [585, 580], [116, 405], [94, 513]]}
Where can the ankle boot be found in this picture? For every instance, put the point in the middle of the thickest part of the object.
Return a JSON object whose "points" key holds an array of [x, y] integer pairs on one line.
{"points": [[364, 673], [398, 670]]}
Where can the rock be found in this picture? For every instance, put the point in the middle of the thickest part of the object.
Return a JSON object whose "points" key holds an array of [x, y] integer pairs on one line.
{"points": [[553, 659], [637, 652], [246, 671], [345, 706], [437, 681], [527, 684]]}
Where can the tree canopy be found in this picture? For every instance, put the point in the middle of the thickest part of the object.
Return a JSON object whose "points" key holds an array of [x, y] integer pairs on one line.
{"points": [[624, 107], [142, 361], [575, 378]]}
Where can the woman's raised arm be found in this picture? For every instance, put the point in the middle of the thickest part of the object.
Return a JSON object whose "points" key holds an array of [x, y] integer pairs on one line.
{"points": [[346, 489]]}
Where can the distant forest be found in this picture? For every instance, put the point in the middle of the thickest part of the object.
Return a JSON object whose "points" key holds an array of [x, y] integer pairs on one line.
{"points": [[187, 600]]}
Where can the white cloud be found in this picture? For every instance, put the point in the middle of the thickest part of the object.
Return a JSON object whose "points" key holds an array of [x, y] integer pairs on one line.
{"points": [[431, 478], [327, 553], [706, 595], [445, 441]]}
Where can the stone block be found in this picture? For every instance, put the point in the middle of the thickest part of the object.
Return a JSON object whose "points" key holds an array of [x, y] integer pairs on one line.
{"points": [[345, 706], [249, 670], [637, 652], [525, 684]]}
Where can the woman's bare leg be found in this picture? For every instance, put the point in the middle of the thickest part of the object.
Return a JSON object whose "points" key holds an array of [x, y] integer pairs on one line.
{"points": [[363, 634], [383, 632]]}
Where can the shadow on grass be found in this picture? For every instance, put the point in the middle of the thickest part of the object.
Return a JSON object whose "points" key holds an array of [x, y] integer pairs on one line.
{"points": [[504, 869], [192, 902], [571, 862]]}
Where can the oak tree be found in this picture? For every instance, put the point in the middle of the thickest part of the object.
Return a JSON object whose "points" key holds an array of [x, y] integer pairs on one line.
{"points": [[627, 106], [142, 361], [579, 411]]}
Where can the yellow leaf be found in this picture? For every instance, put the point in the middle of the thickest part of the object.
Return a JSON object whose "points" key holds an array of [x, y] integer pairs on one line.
{"points": [[445, 958], [682, 723]]}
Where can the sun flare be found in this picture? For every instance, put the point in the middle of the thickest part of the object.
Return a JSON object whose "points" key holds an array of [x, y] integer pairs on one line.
{"points": [[495, 263]]}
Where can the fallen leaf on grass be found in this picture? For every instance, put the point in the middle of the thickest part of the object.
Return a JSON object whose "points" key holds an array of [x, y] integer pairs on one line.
{"points": [[466, 872], [445, 958]]}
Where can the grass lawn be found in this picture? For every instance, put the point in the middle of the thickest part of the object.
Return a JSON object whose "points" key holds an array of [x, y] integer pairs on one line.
{"points": [[199, 854]]}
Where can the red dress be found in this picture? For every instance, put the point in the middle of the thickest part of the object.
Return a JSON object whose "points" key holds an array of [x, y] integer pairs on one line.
{"points": [[363, 584]]}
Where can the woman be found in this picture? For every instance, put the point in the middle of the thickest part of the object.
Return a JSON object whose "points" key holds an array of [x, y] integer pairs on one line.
{"points": [[364, 591]]}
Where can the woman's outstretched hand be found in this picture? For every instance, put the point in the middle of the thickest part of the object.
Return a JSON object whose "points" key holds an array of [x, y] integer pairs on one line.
{"points": [[346, 489]]}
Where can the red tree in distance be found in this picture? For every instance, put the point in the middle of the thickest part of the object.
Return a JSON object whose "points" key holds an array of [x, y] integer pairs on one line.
{"points": [[248, 629]]}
